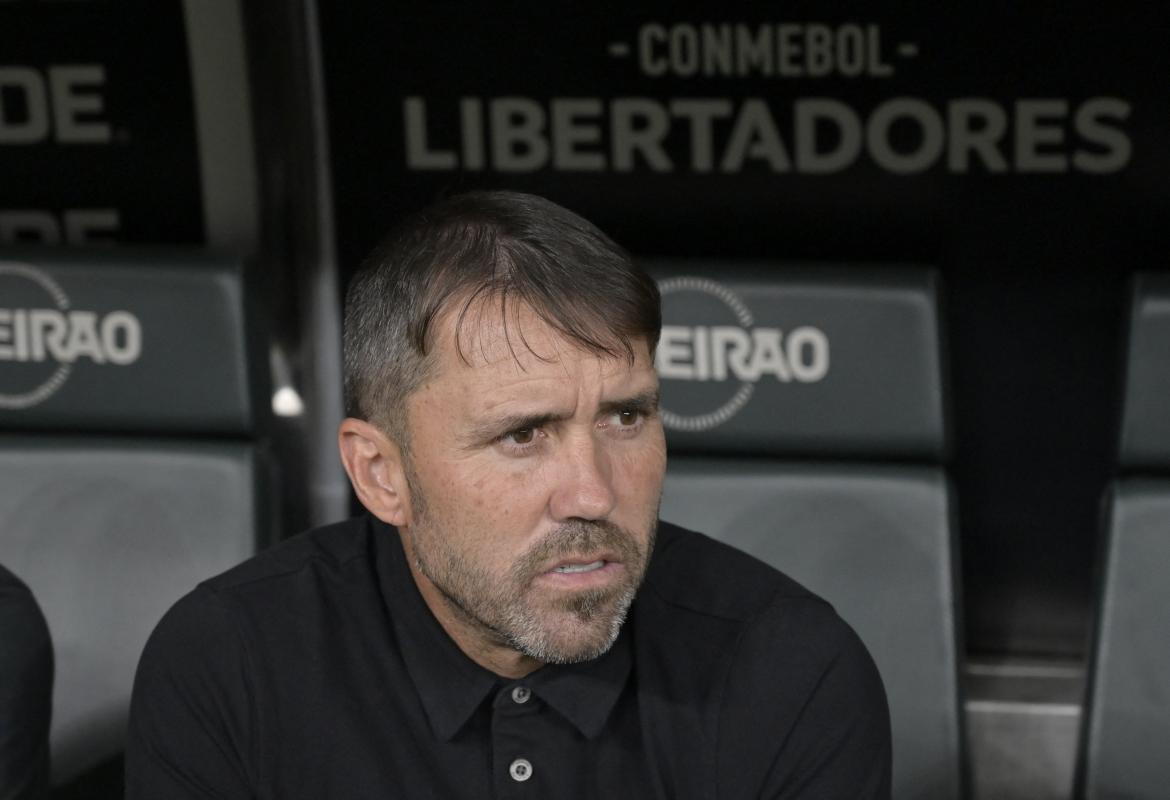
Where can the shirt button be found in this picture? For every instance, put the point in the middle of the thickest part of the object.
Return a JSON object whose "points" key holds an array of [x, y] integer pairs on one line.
{"points": [[521, 770], [520, 694]]}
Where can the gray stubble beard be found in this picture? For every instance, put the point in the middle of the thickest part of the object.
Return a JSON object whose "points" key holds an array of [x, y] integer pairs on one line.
{"points": [[503, 614]]}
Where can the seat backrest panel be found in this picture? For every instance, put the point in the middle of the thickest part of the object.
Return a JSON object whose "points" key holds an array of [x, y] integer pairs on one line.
{"points": [[877, 542], [107, 536]]}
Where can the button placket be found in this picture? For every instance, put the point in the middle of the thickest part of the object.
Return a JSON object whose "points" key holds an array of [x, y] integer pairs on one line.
{"points": [[518, 726]]}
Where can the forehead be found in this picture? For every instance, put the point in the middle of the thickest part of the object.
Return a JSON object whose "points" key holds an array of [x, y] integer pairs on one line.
{"points": [[497, 335], [491, 369]]}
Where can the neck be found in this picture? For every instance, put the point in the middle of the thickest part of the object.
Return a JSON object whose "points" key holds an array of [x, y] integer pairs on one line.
{"points": [[480, 644]]}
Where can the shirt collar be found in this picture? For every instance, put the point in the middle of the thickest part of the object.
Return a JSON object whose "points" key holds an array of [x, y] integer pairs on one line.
{"points": [[586, 693], [451, 686]]}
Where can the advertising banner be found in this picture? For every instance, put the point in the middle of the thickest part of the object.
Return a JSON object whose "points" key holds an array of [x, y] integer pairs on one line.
{"points": [[1020, 150], [124, 122]]}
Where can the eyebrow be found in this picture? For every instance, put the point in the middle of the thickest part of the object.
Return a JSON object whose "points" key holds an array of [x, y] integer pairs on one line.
{"points": [[646, 402], [489, 430]]}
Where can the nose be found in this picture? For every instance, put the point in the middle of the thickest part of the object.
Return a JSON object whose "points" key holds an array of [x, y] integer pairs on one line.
{"points": [[584, 483]]}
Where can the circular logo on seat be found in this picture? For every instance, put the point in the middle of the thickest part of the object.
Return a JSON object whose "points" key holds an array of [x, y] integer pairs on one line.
{"points": [[42, 336], [711, 355], [713, 301]]}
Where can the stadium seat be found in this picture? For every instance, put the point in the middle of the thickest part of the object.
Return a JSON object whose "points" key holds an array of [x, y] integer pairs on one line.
{"points": [[805, 420], [1127, 721], [131, 468]]}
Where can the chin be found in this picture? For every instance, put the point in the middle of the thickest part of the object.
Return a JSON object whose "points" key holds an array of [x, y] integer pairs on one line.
{"points": [[586, 630], [569, 652]]}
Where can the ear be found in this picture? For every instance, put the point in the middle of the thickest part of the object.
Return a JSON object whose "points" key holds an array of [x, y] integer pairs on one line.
{"points": [[374, 463]]}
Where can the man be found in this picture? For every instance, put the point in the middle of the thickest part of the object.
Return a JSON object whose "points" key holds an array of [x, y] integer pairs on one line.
{"points": [[26, 692], [510, 619]]}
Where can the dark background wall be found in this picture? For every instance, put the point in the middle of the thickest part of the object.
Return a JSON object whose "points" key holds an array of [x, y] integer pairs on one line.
{"points": [[1019, 149], [97, 131]]}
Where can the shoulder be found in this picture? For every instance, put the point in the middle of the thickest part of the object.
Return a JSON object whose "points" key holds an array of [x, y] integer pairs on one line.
{"points": [[790, 681], [26, 688], [26, 658], [19, 612], [211, 654], [795, 680], [695, 575], [773, 615], [749, 620], [693, 572], [22, 625], [329, 548], [266, 596]]}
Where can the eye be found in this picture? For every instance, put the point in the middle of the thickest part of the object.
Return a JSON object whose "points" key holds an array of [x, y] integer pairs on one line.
{"points": [[626, 422], [628, 417], [521, 441], [521, 435]]}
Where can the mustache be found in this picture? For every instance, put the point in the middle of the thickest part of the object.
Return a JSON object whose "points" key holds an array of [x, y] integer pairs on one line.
{"points": [[574, 537]]}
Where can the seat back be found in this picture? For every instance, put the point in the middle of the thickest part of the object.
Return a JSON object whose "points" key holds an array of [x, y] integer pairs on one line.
{"points": [[130, 471], [1127, 713], [813, 440]]}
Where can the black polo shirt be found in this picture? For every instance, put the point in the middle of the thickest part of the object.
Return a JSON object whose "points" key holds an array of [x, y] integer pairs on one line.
{"points": [[315, 670]]}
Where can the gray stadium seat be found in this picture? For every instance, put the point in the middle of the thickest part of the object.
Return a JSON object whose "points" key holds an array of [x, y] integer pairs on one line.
{"points": [[1127, 722], [829, 468], [130, 471]]}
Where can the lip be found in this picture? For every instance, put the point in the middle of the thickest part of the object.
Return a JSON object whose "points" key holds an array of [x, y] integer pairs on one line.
{"points": [[580, 560], [601, 576]]}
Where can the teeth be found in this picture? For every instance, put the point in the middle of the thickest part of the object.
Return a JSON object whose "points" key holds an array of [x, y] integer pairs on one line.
{"points": [[580, 567]]}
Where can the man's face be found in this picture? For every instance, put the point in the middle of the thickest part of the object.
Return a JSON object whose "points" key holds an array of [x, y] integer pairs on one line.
{"points": [[535, 474]]}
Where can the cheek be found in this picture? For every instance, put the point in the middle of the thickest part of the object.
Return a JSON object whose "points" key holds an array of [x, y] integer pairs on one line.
{"points": [[640, 471], [495, 488], [493, 505]]}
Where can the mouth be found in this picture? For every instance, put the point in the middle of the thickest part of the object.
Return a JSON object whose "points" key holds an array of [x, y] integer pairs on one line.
{"points": [[584, 571], [583, 562], [571, 568]]}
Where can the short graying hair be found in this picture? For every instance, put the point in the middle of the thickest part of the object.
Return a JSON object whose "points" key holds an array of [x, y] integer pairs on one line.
{"points": [[479, 246]]}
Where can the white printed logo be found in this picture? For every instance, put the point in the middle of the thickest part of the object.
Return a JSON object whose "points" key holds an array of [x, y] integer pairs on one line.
{"points": [[40, 341], [743, 352]]}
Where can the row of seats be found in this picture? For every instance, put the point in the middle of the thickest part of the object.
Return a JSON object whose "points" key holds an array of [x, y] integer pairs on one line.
{"points": [[806, 418], [806, 415], [131, 467], [829, 465], [1127, 725]]}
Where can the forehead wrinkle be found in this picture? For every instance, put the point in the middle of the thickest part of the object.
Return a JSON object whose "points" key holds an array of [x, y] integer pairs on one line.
{"points": [[482, 339], [516, 314], [493, 341], [534, 399], [561, 392]]}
